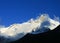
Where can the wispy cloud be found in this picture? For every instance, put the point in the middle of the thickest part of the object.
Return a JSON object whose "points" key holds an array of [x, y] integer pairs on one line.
{"points": [[17, 31]]}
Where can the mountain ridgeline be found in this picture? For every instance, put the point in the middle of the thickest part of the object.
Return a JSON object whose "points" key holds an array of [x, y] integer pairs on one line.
{"points": [[41, 29]]}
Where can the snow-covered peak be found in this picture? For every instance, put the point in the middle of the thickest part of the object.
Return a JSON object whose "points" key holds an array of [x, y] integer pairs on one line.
{"points": [[19, 30]]}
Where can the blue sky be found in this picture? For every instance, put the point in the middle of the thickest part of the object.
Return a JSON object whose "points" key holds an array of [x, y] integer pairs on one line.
{"points": [[18, 11]]}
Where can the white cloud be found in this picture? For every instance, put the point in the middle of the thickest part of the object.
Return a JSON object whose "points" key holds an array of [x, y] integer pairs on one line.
{"points": [[27, 27]]}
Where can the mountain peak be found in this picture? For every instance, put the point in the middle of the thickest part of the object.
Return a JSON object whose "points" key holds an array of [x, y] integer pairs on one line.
{"points": [[40, 25]]}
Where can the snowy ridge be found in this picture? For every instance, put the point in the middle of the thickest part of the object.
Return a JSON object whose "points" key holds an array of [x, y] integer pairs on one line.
{"points": [[17, 31]]}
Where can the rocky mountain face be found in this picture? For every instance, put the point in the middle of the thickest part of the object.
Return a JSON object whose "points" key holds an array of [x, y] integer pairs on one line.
{"points": [[50, 36]]}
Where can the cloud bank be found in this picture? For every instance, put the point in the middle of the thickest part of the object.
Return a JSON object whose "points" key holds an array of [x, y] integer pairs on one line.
{"points": [[33, 26]]}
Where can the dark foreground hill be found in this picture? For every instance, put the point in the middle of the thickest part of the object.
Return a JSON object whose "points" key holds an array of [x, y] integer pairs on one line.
{"points": [[50, 36]]}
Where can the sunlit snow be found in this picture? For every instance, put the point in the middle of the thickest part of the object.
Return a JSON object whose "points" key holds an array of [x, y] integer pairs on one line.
{"points": [[17, 31]]}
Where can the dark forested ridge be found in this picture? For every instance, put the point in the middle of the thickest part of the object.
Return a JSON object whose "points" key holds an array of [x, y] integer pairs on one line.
{"points": [[50, 36]]}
